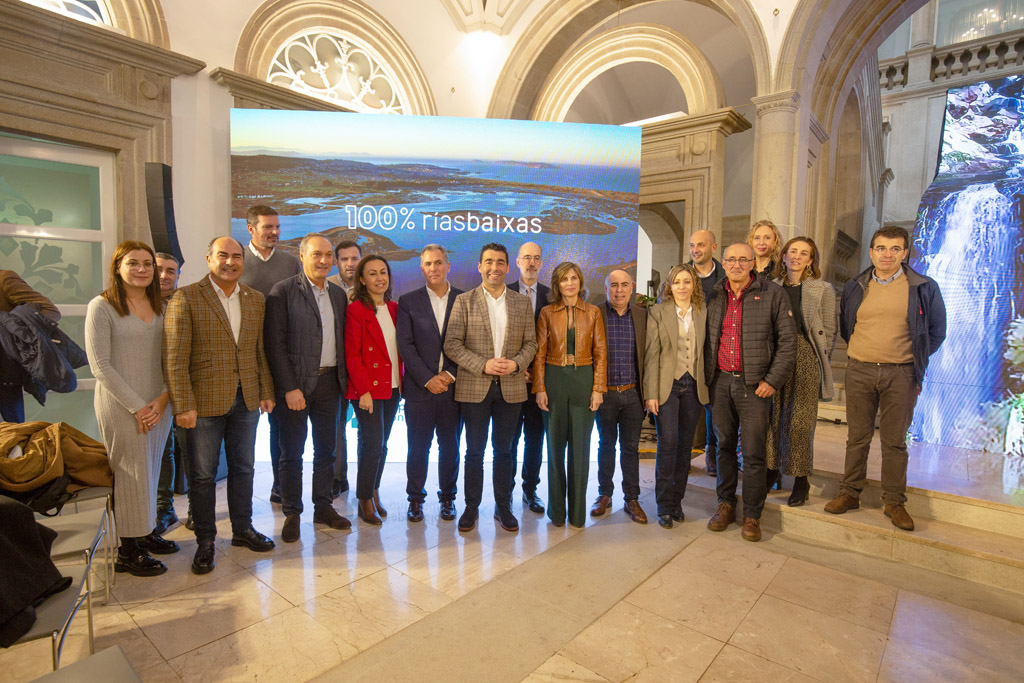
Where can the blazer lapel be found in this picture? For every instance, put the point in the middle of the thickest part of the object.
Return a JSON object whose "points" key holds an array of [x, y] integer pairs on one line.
{"points": [[448, 310], [307, 294], [485, 316], [511, 309], [213, 301], [246, 329]]}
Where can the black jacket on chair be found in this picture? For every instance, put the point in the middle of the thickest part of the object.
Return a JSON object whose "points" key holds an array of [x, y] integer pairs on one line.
{"points": [[46, 356], [293, 335]]}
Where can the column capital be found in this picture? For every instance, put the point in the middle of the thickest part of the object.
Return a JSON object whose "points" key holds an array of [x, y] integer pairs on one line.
{"points": [[787, 100]]}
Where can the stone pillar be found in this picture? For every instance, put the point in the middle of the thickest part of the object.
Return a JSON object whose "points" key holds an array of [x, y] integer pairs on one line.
{"points": [[922, 44], [780, 168]]}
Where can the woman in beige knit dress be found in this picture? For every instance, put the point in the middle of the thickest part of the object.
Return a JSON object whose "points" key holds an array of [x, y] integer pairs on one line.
{"points": [[124, 340]]}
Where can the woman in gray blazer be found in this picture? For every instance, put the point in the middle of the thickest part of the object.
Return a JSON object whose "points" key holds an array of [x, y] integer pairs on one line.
{"points": [[674, 384], [795, 410]]}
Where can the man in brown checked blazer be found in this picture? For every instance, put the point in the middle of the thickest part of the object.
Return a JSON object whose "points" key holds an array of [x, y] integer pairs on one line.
{"points": [[219, 381], [491, 337]]}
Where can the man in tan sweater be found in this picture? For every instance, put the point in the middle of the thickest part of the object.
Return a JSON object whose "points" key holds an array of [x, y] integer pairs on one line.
{"points": [[893, 319]]}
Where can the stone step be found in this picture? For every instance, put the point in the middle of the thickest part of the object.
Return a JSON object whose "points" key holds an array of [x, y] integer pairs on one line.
{"points": [[971, 539]]}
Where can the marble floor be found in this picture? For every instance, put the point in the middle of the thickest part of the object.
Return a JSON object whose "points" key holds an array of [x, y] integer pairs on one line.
{"points": [[614, 601]]}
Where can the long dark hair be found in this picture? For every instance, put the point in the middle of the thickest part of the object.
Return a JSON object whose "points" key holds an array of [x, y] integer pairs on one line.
{"points": [[115, 293], [360, 292]]}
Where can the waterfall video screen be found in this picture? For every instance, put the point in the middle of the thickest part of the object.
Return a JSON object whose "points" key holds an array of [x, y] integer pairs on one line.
{"points": [[394, 184], [968, 238]]}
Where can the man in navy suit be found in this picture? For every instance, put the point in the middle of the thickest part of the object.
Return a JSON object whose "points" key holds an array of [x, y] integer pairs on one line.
{"points": [[531, 421], [304, 337], [429, 389]]}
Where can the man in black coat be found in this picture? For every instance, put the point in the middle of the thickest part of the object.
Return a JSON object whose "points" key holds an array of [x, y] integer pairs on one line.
{"points": [[749, 352], [304, 338], [531, 419]]}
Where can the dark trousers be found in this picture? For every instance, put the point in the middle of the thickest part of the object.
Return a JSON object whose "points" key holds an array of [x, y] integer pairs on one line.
{"points": [[711, 442], [165, 483], [888, 391], [321, 412], [570, 423], [372, 442], [275, 446], [438, 414], [531, 429], [501, 417], [676, 422], [12, 403], [619, 419], [237, 430], [341, 443], [738, 409]]}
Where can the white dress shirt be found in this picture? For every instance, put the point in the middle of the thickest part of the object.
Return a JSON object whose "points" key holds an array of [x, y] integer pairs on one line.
{"points": [[497, 314], [232, 307], [260, 256], [328, 344], [387, 327], [439, 304]]}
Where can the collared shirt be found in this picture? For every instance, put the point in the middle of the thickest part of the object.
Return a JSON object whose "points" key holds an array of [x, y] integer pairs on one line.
{"points": [[328, 344], [336, 279], [497, 314], [888, 279], [730, 350], [439, 304], [232, 307], [621, 347], [685, 341], [530, 291], [260, 256]]}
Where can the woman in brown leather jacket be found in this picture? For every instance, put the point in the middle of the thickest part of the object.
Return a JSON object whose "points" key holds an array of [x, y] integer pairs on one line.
{"points": [[570, 375]]}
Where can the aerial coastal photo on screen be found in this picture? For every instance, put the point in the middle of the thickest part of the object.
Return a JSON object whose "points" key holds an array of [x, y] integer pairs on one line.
{"points": [[396, 183]]}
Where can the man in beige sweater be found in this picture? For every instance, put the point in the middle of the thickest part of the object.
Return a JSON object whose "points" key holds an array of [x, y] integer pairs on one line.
{"points": [[893, 319]]}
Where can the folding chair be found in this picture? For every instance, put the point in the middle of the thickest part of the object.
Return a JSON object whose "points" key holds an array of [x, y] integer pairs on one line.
{"points": [[79, 534], [105, 493], [54, 615]]}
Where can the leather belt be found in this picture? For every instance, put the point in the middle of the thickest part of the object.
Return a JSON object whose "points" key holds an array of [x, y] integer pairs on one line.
{"points": [[623, 387], [332, 368], [570, 359]]}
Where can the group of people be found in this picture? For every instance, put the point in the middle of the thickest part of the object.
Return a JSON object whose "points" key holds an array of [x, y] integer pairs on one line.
{"points": [[744, 344]]}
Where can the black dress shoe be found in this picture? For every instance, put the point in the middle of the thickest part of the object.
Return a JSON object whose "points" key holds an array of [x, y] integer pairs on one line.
{"points": [[559, 524], [139, 563], [331, 518], [504, 515], [204, 562], [253, 540], [165, 519], [275, 494], [157, 545], [415, 513], [290, 532], [448, 510], [801, 490], [468, 520], [534, 502], [665, 521], [189, 524], [677, 515], [339, 487]]}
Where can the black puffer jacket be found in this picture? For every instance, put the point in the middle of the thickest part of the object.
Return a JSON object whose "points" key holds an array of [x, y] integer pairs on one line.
{"points": [[37, 353], [767, 335]]}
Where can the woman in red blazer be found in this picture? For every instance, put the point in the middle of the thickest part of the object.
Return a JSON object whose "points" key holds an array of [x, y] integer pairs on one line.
{"points": [[374, 376]]}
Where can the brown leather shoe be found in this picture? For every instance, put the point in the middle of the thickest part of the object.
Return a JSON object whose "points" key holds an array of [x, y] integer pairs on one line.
{"points": [[725, 516], [635, 512], [901, 519], [600, 506], [751, 529], [377, 504], [841, 503], [368, 513]]}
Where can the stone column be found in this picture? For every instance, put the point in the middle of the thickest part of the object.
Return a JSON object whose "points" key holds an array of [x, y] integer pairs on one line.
{"points": [[780, 168], [922, 44]]}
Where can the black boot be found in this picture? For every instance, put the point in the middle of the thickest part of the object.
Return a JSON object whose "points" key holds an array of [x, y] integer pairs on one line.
{"points": [[801, 489], [132, 558], [774, 479]]}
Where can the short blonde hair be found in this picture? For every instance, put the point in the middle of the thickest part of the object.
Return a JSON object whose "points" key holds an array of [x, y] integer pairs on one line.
{"points": [[765, 223]]}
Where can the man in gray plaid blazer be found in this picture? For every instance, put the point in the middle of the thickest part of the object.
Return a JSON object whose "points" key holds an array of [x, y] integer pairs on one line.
{"points": [[492, 338]]}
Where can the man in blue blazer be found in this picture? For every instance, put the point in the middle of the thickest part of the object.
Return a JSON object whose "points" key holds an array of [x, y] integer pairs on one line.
{"points": [[429, 389], [531, 421], [304, 336]]}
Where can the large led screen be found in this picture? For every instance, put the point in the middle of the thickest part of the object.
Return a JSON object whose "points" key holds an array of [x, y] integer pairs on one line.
{"points": [[968, 238], [397, 183]]}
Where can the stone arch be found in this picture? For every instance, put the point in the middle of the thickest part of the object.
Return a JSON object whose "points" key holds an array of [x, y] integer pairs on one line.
{"points": [[140, 19], [632, 43], [276, 21], [563, 23]]}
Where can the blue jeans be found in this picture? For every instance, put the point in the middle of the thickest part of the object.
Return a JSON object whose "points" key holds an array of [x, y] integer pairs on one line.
{"points": [[237, 430], [438, 414], [275, 446], [341, 442], [372, 442], [741, 418], [477, 417], [711, 442], [322, 412], [676, 422], [620, 418]]}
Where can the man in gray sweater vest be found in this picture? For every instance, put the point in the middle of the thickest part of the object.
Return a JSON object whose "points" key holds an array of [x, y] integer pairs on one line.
{"points": [[265, 266]]}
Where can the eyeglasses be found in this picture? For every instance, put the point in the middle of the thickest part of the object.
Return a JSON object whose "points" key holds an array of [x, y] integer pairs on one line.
{"points": [[144, 265], [895, 251], [737, 261]]}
